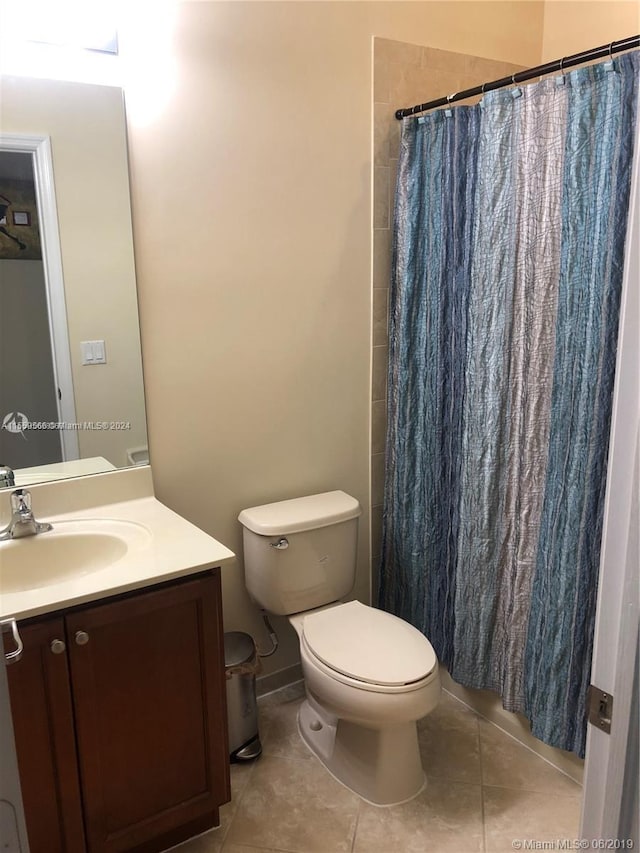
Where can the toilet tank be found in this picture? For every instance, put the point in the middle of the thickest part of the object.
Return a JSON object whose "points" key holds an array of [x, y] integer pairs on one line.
{"points": [[301, 553]]}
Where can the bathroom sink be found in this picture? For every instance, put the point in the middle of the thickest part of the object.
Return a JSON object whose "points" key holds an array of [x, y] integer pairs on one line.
{"points": [[71, 550]]}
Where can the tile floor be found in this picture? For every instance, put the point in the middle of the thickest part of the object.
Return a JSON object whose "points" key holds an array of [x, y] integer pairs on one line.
{"points": [[483, 791]]}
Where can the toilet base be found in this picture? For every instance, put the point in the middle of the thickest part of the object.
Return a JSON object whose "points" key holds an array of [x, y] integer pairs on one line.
{"points": [[382, 766]]}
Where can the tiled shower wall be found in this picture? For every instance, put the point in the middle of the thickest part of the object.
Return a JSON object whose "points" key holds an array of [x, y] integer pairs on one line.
{"points": [[403, 75]]}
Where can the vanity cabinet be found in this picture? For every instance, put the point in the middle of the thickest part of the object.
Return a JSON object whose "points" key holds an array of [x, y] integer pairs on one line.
{"points": [[120, 720], [42, 712]]}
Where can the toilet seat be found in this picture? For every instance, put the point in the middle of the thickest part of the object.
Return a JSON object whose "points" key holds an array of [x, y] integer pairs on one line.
{"points": [[368, 648], [309, 659]]}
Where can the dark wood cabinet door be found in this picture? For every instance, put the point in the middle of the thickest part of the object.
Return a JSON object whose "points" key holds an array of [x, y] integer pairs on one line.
{"points": [[149, 697], [45, 743]]}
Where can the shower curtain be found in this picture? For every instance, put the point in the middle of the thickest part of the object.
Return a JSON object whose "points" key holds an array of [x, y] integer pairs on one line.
{"points": [[510, 225]]}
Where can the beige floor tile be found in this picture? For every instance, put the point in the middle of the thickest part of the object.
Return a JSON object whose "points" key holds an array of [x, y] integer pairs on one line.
{"points": [[515, 815], [449, 742], [278, 723], [208, 842], [281, 804], [212, 841], [240, 775], [295, 806], [445, 818], [508, 764]]}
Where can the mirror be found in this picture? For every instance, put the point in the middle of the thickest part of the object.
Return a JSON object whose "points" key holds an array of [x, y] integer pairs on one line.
{"points": [[71, 391]]}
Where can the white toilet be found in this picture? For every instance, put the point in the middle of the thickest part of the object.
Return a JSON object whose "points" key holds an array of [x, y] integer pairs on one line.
{"points": [[369, 676]]}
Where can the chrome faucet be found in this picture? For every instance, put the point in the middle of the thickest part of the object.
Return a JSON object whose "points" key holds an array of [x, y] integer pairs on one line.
{"points": [[22, 521], [7, 477]]}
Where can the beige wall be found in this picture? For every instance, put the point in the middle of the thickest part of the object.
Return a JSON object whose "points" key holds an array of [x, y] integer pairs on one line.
{"points": [[88, 139], [252, 223], [573, 26]]}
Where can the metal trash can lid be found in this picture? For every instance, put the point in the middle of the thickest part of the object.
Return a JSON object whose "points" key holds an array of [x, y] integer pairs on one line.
{"points": [[238, 648]]}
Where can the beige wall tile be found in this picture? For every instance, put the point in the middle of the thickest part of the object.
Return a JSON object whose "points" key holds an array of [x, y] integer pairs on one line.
{"points": [[376, 530], [448, 82], [381, 197], [377, 478], [380, 78], [408, 85], [380, 316], [375, 579], [481, 71], [394, 134], [381, 257], [446, 60], [378, 426], [379, 385], [399, 51], [381, 135]]}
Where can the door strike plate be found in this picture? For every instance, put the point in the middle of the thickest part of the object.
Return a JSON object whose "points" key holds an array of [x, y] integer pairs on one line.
{"points": [[600, 708]]}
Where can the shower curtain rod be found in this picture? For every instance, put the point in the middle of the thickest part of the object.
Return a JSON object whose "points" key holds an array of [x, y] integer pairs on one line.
{"points": [[529, 74]]}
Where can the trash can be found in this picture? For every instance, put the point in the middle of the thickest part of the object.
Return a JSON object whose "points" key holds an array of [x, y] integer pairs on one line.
{"points": [[241, 664]]}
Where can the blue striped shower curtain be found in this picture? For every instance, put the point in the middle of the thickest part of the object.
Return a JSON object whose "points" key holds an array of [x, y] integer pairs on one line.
{"points": [[510, 226]]}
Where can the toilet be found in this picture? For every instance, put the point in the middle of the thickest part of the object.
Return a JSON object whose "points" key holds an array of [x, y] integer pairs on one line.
{"points": [[369, 676]]}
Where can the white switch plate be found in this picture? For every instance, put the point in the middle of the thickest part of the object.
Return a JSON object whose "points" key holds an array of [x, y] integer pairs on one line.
{"points": [[93, 352]]}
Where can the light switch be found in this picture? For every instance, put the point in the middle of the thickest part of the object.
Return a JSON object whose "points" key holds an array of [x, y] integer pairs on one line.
{"points": [[99, 354], [93, 352]]}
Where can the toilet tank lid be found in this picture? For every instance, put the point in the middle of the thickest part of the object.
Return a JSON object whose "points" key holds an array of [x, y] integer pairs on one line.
{"points": [[299, 514]]}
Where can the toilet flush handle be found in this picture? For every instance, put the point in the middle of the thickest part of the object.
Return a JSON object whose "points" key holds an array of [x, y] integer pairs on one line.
{"points": [[281, 544]]}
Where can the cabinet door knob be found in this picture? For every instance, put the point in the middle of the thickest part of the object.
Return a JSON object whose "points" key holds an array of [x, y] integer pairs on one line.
{"points": [[82, 638], [58, 646]]}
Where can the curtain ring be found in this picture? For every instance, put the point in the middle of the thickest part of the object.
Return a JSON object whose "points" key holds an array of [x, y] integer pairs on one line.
{"points": [[513, 79], [562, 65], [611, 51]]}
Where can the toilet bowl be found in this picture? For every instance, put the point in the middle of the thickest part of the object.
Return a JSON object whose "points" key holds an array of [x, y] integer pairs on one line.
{"points": [[369, 675]]}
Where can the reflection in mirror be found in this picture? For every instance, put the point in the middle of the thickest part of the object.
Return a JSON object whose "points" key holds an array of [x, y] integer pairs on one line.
{"points": [[71, 393]]}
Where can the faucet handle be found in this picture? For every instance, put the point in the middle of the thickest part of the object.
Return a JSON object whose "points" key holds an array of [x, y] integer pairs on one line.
{"points": [[21, 500]]}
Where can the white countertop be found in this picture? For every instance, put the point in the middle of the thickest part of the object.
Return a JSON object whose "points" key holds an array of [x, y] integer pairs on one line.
{"points": [[169, 548], [61, 470]]}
